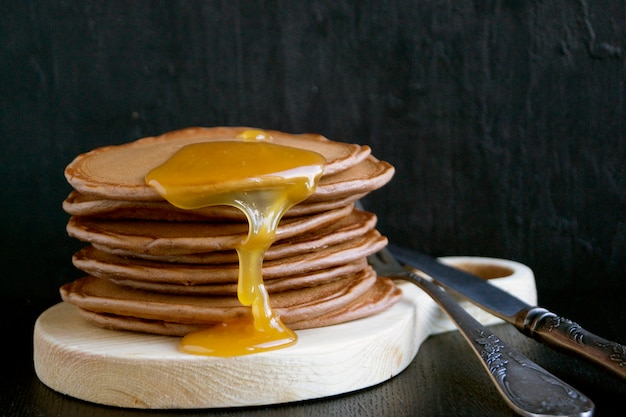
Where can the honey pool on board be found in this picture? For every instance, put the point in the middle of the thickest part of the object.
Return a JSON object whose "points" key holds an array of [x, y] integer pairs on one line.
{"points": [[263, 180]]}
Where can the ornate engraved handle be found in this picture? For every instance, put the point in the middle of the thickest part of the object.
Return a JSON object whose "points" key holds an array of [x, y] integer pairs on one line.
{"points": [[529, 389], [568, 336]]}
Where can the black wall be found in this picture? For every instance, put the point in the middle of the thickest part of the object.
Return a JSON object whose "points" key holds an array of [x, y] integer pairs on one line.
{"points": [[505, 120]]}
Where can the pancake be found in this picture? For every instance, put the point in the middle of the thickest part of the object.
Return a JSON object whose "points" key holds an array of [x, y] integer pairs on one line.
{"points": [[106, 265], [103, 296], [152, 267], [365, 177], [380, 296], [78, 204], [178, 315], [355, 224], [118, 172], [331, 192], [294, 282], [182, 238]]}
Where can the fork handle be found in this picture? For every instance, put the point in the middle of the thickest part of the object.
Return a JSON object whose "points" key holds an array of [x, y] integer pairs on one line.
{"points": [[528, 388]]}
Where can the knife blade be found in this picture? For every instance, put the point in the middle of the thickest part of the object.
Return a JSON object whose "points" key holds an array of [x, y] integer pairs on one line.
{"points": [[539, 323]]}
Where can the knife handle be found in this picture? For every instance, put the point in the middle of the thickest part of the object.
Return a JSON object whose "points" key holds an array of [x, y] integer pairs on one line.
{"points": [[568, 336]]}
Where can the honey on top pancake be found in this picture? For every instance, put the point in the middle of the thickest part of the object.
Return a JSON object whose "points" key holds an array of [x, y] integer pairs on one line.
{"points": [[118, 172], [148, 258]]}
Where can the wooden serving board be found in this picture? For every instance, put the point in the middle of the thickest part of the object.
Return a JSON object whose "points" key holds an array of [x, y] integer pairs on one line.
{"points": [[134, 370]]}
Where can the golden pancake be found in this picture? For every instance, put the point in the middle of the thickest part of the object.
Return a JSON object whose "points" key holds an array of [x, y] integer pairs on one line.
{"points": [[182, 238], [78, 204], [106, 265], [294, 282], [355, 224], [118, 172]]}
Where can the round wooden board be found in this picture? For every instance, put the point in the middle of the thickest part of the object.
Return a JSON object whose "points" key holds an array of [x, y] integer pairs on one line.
{"points": [[133, 370]]}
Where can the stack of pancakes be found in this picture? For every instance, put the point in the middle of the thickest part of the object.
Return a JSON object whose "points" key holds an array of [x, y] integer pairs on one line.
{"points": [[155, 268]]}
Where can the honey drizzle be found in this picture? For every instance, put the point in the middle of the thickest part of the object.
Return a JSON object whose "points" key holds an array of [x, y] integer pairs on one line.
{"points": [[263, 180]]}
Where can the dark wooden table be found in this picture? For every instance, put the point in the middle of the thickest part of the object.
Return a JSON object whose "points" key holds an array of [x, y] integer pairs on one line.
{"points": [[444, 379]]}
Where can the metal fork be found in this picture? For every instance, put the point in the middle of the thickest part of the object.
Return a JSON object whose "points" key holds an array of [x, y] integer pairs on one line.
{"points": [[527, 388]]}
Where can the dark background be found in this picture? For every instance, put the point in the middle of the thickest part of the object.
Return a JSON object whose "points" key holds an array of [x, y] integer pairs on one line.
{"points": [[505, 120]]}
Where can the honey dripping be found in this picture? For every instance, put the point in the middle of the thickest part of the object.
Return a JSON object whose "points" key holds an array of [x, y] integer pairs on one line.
{"points": [[263, 180]]}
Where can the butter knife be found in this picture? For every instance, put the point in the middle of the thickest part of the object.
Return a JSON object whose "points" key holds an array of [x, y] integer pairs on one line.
{"points": [[539, 323]]}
